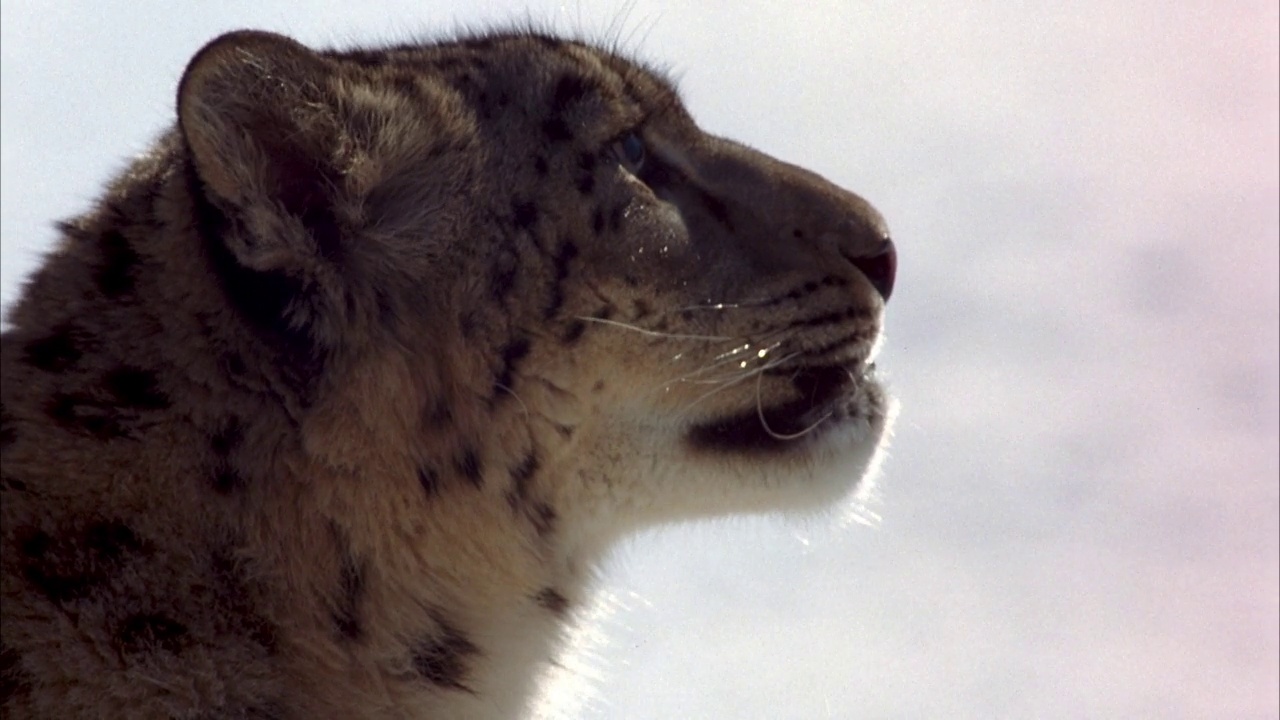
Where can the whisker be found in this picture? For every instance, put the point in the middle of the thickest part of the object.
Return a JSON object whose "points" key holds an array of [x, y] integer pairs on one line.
{"points": [[740, 304], [697, 375], [725, 358], [783, 436], [655, 333], [735, 379], [730, 358]]}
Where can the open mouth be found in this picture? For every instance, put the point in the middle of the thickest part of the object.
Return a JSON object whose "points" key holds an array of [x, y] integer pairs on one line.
{"points": [[824, 399]]}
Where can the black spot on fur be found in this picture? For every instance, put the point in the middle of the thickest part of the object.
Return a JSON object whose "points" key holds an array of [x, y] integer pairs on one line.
{"points": [[35, 544], [555, 302], [346, 613], [79, 412], [14, 680], [544, 519], [717, 209], [568, 251], [523, 473], [8, 433], [574, 332], [469, 465], [226, 477], [586, 183], [55, 353], [114, 275], [447, 64], [227, 438], [556, 130], [512, 354], [597, 221], [540, 165], [484, 106], [110, 411], [407, 86], [569, 90], [437, 413], [112, 540], [444, 660], [514, 501], [430, 480], [524, 215], [148, 632], [135, 388], [469, 323], [502, 275], [69, 568], [551, 600], [387, 313]]}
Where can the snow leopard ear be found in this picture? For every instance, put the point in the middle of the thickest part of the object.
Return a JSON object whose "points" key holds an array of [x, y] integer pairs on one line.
{"points": [[267, 142]]}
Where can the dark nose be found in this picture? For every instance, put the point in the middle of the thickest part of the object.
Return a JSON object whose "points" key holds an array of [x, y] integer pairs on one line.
{"points": [[880, 266]]}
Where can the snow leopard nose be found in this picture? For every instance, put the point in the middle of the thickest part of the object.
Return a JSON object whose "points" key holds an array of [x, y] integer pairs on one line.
{"points": [[880, 266], [864, 242]]}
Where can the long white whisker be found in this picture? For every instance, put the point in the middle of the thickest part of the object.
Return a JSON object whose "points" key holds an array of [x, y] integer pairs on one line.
{"points": [[783, 436], [728, 359], [735, 379], [727, 305], [732, 356], [655, 333]]}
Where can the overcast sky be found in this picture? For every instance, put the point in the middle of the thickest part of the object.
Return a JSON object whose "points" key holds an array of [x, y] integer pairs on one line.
{"points": [[1080, 515]]}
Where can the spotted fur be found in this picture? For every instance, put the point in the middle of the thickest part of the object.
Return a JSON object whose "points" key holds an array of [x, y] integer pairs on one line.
{"points": [[329, 404]]}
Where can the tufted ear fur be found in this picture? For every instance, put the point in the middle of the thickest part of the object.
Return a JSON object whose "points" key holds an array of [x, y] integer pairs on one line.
{"points": [[321, 187], [268, 144]]}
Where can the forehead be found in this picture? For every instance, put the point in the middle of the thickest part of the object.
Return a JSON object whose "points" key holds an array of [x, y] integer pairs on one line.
{"points": [[524, 62]]}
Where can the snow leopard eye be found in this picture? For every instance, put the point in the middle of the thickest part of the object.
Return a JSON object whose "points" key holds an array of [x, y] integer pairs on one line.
{"points": [[631, 152]]}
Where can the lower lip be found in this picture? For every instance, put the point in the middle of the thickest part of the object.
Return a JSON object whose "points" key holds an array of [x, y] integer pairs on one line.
{"points": [[788, 426]]}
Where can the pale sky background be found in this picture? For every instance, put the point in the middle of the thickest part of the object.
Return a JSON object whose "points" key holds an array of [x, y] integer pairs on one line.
{"points": [[1079, 518]]}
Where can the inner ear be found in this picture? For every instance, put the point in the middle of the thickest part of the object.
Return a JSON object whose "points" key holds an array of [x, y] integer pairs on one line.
{"points": [[265, 135]]}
